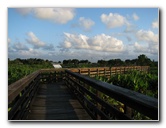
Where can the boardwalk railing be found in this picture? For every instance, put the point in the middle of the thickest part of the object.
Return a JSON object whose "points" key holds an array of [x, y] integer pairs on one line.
{"points": [[87, 90], [108, 71], [22, 92], [94, 93], [20, 95]]}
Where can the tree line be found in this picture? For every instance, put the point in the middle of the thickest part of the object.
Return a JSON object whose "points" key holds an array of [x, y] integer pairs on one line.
{"points": [[141, 60], [19, 68], [29, 61]]}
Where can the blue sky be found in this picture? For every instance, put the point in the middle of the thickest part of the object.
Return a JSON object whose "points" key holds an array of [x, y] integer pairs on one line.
{"points": [[83, 33]]}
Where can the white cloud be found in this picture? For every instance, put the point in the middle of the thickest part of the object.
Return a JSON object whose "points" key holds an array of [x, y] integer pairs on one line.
{"points": [[104, 43], [135, 17], [113, 20], [29, 53], [20, 50], [86, 23], [139, 48], [151, 48], [20, 46], [155, 24], [147, 36], [75, 41], [24, 11], [37, 43], [150, 39], [57, 15], [11, 49]]}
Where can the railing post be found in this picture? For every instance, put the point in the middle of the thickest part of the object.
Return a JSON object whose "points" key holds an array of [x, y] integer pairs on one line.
{"points": [[79, 71], [110, 72], [131, 100], [97, 72], [104, 72], [89, 73], [128, 111], [98, 94], [51, 77]]}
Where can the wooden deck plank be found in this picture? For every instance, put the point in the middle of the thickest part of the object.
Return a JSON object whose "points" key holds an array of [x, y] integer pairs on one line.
{"points": [[54, 102]]}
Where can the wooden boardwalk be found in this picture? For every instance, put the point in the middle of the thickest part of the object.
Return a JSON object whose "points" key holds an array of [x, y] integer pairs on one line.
{"points": [[55, 102]]}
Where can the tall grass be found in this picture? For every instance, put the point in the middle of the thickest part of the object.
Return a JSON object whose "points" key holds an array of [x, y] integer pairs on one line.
{"points": [[145, 83]]}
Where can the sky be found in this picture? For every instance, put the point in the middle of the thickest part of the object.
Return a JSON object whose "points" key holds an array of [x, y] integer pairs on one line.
{"points": [[83, 33]]}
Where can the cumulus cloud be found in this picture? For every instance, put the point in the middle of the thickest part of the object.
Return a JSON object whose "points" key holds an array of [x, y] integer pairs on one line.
{"points": [[57, 15], [75, 41], [150, 39], [147, 36], [11, 49], [106, 43], [20, 46], [139, 48], [113, 20], [135, 17], [155, 24], [21, 50], [86, 24], [37, 43], [100, 42], [150, 48], [24, 11], [29, 53]]}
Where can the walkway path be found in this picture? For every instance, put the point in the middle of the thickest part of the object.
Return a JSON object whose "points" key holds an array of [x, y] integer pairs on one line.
{"points": [[55, 102]]}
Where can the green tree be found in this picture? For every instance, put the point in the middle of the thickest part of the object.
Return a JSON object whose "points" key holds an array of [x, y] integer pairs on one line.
{"points": [[143, 60]]}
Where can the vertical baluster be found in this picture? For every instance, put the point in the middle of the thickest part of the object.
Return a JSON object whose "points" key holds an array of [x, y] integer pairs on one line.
{"points": [[128, 111], [89, 73], [98, 94]]}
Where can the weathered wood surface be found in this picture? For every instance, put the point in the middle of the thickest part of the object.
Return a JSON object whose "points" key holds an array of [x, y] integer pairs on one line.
{"points": [[108, 71], [137, 101], [22, 92], [15, 88], [20, 95], [55, 102]]}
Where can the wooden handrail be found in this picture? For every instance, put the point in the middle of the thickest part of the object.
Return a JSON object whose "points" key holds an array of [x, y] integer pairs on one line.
{"points": [[21, 93], [142, 103], [15, 88], [108, 71]]}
